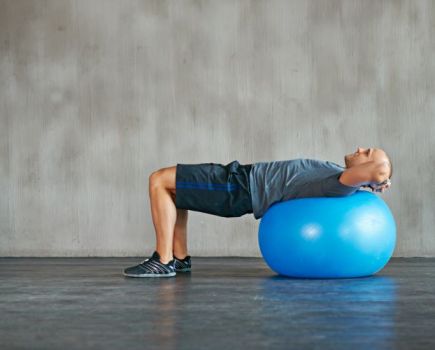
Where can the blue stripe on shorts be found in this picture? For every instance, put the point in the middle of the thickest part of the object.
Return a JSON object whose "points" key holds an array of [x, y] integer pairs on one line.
{"points": [[208, 186]]}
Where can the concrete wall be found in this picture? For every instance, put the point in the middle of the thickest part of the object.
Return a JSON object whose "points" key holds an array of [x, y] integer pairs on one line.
{"points": [[95, 95]]}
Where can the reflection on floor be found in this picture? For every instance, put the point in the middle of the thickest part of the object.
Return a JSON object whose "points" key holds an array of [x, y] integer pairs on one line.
{"points": [[224, 303]]}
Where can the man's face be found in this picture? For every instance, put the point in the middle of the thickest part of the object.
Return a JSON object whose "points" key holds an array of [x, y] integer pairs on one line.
{"points": [[363, 155]]}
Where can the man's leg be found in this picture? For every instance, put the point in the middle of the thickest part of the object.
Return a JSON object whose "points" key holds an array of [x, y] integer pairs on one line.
{"points": [[180, 234], [163, 210]]}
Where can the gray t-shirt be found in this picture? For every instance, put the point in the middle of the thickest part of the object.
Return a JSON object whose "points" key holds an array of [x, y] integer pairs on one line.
{"points": [[278, 181]]}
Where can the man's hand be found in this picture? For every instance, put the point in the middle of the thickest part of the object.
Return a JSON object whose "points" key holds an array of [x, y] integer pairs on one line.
{"points": [[382, 187]]}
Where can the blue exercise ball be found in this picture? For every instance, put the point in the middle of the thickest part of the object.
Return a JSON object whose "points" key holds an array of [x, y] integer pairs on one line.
{"points": [[328, 237]]}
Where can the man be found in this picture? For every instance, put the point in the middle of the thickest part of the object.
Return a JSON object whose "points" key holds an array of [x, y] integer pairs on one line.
{"points": [[234, 190]]}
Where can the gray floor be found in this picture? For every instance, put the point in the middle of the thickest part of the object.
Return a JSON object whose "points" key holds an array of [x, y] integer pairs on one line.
{"points": [[225, 303]]}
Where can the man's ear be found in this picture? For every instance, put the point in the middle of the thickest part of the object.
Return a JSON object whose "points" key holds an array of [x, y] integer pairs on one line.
{"points": [[381, 172]]}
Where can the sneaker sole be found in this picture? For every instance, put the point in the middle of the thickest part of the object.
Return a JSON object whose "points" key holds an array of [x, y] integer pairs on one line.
{"points": [[172, 274]]}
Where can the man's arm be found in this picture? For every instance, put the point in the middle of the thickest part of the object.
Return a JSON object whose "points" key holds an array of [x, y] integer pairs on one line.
{"points": [[369, 173]]}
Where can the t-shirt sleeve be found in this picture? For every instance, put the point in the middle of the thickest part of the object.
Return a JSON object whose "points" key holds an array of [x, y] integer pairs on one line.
{"points": [[332, 187]]}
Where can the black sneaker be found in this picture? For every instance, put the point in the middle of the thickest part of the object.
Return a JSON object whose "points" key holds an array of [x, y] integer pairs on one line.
{"points": [[151, 267], [184, 265]]}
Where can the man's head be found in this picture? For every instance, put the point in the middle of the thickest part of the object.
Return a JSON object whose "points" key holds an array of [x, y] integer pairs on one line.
{"points": [[363, 155]]}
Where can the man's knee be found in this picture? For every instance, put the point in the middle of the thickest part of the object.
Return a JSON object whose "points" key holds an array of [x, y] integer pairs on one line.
{"points": [[163, 178], [155, 179]]}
